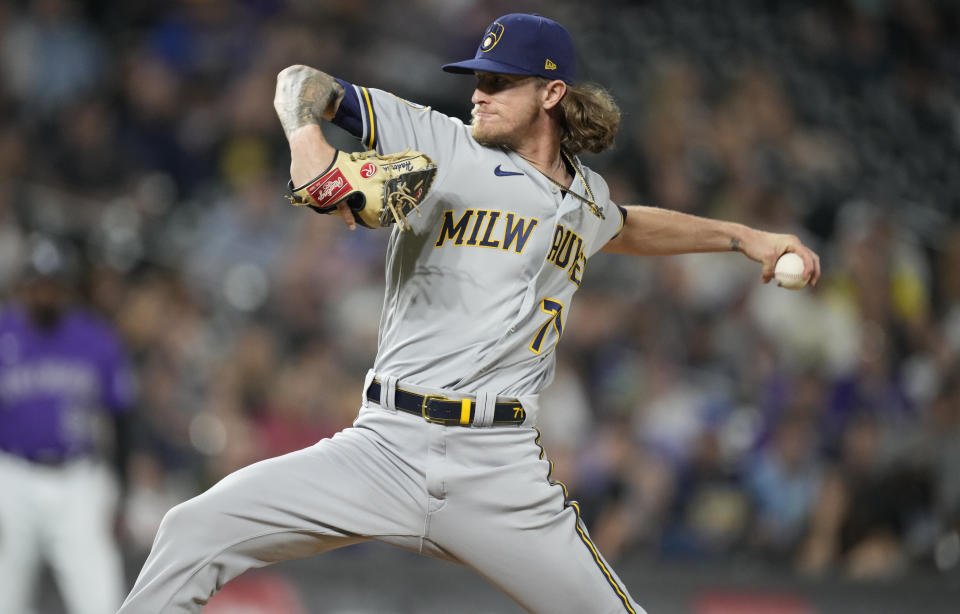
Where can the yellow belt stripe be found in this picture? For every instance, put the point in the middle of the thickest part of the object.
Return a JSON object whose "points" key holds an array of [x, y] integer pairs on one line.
{"points": [[464, 412], [366, 97]]}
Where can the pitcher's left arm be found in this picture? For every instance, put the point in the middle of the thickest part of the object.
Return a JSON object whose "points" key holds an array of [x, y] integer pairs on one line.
{"points": [[651, 231]]}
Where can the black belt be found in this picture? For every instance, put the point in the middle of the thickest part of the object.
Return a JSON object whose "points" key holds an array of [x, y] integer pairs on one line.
{"points": [[439, 409]]}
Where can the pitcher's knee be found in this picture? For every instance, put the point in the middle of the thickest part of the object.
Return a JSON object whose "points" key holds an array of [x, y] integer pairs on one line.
{"points": [[188, 521]]}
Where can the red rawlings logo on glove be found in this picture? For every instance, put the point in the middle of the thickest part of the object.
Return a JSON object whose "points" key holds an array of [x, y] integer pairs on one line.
{"points": [[368, 170], [330, 188]]}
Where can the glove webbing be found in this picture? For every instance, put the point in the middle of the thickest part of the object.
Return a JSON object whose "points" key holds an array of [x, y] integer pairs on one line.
{"points": [[403, 197]]}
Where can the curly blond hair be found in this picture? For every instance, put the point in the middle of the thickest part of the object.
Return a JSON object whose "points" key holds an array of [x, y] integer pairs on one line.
{"points": [[588, 118]]}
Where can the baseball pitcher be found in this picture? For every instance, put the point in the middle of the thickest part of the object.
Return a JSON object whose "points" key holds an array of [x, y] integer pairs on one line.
{"points": [[493, 226]]}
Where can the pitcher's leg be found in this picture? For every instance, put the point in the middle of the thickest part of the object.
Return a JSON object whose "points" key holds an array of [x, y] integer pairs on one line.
{"points": [[553, 568], [508, 522], [326, 496]]}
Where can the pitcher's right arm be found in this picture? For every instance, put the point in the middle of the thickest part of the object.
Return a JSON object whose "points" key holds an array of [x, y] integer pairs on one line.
{"points": [[303, 97]]}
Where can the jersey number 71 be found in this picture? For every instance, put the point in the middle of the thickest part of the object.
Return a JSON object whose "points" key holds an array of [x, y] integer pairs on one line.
{"points": [[554, 309]]}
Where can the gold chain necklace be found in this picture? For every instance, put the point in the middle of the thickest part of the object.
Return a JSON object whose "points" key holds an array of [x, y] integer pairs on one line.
{"points": [[590, 202]]}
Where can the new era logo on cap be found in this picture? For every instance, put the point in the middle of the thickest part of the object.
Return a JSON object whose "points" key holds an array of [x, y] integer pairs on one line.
{"points": [[522, 44]]}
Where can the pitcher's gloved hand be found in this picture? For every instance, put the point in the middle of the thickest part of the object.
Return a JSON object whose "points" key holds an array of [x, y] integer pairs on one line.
{"points": [[379, 189]]}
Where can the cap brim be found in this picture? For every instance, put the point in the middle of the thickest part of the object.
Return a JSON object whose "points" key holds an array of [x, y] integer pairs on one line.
{"points": [[467, 67]]}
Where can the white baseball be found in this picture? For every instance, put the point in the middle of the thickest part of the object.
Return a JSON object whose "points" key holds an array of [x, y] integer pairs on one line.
{"points": [[789, 272]]}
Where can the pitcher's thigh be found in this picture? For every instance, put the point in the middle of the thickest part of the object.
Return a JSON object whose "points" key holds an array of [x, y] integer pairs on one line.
{"points": [[329, 495], [335, 488]]}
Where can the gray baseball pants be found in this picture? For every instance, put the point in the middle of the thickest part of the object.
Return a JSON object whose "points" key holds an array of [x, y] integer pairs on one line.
{"points": [[477, 496]]}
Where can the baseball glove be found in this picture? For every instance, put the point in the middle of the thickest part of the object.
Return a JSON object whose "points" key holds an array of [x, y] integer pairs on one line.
{"points": [[380, 190]]}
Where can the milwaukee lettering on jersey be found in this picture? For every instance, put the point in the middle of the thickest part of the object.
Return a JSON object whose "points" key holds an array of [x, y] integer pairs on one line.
{"points": [[566, 252], [483, 228], [329, 188]]}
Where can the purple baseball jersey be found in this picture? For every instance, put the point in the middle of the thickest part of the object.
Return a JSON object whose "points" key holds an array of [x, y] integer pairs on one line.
{"points": [[54, 385]]}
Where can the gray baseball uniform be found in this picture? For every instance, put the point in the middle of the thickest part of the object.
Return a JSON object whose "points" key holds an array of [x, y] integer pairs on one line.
{"points": [[477, 296]]}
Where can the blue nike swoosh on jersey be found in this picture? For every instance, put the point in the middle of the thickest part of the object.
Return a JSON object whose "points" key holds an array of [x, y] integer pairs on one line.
{"points": [[502, 173]]}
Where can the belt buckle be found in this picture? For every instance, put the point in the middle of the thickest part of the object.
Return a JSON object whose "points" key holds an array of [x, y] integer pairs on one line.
{"points": [[423, 409]]}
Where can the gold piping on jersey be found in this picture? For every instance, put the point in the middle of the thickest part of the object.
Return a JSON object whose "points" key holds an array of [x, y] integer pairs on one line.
{"points": [[623, 220], [621, 593], [372, 140]]}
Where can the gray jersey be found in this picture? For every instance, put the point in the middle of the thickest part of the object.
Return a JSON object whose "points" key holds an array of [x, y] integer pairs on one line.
{"points": [[478, 293], [477, 296]]}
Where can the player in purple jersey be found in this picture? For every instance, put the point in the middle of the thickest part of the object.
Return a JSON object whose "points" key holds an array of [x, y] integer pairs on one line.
{"points": [[62, 374]]}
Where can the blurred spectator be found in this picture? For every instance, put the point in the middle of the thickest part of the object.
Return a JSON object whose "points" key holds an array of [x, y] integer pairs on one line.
{"points": [[623, 489], [710, 512], [51, 56], [783, 484], [242, 247], [867, 509], [11, 244]]}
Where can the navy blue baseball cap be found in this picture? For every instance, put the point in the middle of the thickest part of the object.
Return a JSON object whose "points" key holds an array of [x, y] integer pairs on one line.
{"points": [[522, 44]]}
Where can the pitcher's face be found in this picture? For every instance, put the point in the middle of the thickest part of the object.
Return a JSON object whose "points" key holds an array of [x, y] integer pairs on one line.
{"points": [[504, 108]]}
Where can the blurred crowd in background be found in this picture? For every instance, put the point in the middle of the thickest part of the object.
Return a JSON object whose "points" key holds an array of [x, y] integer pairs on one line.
{"points": [[696, 413]]}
